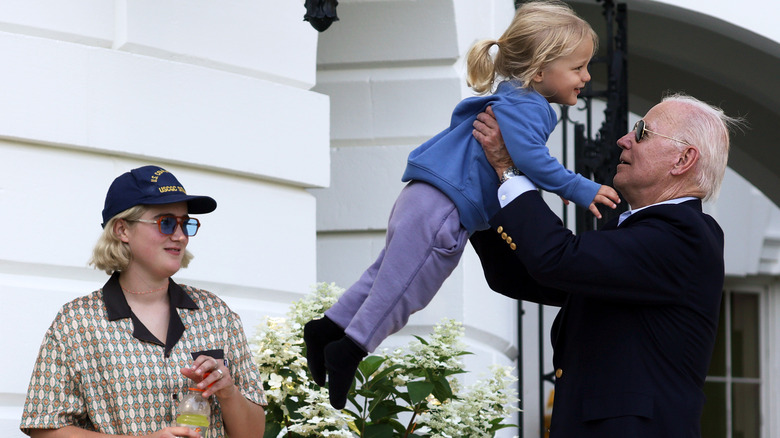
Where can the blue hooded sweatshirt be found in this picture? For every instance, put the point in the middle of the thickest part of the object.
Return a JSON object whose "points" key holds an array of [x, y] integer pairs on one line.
{"points": [[453, 160]]}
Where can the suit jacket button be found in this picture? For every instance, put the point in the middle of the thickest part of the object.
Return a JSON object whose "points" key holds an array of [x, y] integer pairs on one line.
{"points": [[500, 229], [503, 236], [512, 246], [509, 239], [558, 373]]}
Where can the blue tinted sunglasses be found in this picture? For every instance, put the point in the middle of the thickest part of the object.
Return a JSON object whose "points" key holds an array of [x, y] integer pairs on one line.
{"points": [[167, 224]]}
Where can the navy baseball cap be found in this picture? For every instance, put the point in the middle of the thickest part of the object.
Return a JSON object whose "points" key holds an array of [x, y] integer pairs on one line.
{"points": [[151, 185]]}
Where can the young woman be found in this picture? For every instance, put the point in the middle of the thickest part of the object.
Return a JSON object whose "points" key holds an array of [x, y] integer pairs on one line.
{"points": [[116, 362]]}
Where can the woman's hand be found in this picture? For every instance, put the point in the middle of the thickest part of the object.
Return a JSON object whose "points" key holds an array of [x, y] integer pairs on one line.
{"points": [[212, 376], [488, 134], [241, 417], [175, 432]]}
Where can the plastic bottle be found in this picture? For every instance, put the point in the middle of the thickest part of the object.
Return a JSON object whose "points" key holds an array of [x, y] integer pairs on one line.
{"points": [[194, 412]]}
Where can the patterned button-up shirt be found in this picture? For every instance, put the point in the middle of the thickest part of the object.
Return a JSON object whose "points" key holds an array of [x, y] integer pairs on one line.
{"points": [[99, 368]]}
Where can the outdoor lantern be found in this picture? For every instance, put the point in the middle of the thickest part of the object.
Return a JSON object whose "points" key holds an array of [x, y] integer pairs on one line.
{"points": [[321, 13]]}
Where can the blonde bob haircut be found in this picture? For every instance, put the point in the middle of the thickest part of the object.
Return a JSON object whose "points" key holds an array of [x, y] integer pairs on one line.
{"points": [[111, 254], [540, 33]]}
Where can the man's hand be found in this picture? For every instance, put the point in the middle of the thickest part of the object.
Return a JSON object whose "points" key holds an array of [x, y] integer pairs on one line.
{"points": [[607, 196], [488, 134]]}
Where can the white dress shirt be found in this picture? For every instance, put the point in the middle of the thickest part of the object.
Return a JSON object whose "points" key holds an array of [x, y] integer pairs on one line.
{"points": [[516, 186]]}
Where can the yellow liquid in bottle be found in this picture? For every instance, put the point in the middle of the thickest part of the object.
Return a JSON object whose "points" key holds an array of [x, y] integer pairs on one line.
{"points": [[199, 423]]}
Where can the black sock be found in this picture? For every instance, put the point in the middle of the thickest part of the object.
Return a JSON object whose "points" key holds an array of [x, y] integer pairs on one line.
{"points": [[318, 333], [341, 360]]}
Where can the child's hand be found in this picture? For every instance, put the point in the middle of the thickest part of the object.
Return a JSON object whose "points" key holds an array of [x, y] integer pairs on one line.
{"points": [[607, 196]]}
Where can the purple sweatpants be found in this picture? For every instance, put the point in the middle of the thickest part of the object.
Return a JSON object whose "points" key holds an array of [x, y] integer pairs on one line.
{"points": [[424, 243]]}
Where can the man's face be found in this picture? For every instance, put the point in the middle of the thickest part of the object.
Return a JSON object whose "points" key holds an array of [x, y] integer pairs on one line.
{"points": [[644, 173]]}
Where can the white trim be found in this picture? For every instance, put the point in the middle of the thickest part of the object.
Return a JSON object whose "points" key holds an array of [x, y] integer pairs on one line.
{"points": [[767, 327], [770, 424]]}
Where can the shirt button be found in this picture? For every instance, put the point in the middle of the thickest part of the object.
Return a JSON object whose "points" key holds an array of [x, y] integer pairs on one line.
{"points": [[558, 373], [503, 197]]}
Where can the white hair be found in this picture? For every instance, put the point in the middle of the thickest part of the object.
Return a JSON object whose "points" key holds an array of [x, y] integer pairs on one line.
{"points": [[707, 128]]}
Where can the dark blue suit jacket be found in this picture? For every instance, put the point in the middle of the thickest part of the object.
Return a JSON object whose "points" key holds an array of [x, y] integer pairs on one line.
{"points": [[639, 312]]}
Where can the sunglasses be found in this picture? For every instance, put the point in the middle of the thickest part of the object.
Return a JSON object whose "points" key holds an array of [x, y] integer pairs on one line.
{"points": [[167, 224], [639, 132]]}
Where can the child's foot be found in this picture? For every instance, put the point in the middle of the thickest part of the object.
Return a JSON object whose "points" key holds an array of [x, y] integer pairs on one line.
{"points": [[341, 359], [318, 333]]}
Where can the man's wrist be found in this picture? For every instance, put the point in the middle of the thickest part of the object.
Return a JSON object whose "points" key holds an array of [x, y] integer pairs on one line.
{"points": [[513, 188], [509, 172]]}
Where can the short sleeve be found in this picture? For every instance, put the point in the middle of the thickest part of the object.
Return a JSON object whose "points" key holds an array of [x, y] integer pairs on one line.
{"points": [[54, 399], [242, 366]]}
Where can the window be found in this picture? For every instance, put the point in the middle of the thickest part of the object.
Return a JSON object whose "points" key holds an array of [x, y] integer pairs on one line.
{"points": [[733, 386]]}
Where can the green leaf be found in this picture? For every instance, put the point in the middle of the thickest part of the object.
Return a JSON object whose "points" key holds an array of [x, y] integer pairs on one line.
{"points": [[400, 429], [383, 430], [386, 409], [272, 430], [370, 364], [363, 392], [286, 372], [442, 389], [423, 341], [502, 426], [292, 406], [382, 375], [405, 397], [418, 372], [419, 391]]}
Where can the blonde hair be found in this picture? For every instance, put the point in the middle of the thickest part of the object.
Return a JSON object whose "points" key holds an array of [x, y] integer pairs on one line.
{"points": [[707, 128], [110, 254], [540, 33]]}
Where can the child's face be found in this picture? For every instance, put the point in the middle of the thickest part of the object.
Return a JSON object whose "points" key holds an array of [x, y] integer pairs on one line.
{"points": [[563, 79]]}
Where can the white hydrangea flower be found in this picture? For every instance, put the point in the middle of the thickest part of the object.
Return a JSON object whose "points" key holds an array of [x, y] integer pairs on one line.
{"points": [[278, 349]]}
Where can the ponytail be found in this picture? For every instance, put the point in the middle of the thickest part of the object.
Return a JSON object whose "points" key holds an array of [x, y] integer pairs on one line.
{"points": [[481, 70]]}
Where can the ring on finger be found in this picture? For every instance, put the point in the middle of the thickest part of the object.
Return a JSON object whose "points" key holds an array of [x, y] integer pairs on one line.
{"points": [[221, 374]]}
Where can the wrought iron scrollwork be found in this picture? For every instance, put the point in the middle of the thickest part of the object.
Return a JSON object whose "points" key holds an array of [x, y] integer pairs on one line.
{"points": [[598, 157], [594, 157]]}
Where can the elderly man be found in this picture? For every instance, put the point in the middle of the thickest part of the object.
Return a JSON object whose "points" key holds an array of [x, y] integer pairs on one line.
{"points": [[639, 298]]}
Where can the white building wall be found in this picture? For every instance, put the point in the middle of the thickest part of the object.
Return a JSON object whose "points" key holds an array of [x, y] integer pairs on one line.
{"points": [[216, 92], [756, 15]]}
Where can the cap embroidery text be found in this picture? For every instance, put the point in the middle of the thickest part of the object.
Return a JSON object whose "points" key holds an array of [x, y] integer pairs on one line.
{"points": [[165, 189], [157, 174]]}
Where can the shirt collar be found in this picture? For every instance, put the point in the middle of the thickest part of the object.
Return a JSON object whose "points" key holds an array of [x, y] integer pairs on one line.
{"points": [[626, 214], [117, 308]]}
